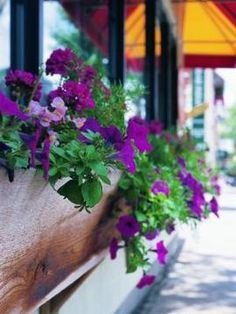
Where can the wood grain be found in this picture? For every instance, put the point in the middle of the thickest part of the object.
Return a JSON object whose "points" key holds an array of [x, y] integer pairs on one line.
{"points": [[46, 244]]}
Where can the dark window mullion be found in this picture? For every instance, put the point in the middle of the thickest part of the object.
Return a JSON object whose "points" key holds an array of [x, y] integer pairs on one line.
{"points": [[116, 40], [26, 34], [150, 78]]}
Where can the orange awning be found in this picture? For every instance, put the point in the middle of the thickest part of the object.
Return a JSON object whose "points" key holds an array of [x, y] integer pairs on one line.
{"points": [[208, 32]]}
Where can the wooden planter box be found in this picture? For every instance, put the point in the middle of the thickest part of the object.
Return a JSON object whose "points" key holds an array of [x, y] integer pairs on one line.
{"points": [[46, 244]]}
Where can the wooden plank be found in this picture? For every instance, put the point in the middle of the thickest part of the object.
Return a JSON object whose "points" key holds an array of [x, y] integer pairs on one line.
{"points": [[45, 243]]}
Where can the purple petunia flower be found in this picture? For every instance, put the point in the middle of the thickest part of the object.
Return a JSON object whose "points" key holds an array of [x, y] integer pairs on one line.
{"points": [[91, 124], [215, 185], [160, 186], [138, 131], [146, 280], [181, 162], [31, 142], [77, 95], [151, 235], [170, 227], [214, 207], [126, 155], [195, 209], [10, 108], [114, 247], [112, 135], [62, 61], [128, 226], [44, 156], [161, 252], [155, 127]]}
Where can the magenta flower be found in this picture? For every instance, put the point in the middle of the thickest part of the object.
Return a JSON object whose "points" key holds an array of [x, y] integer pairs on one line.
{"points": [[151, 235], [214, 207], [87, 75], [128, 226], [10, 108], [155, 127], [63, 62], [146, 280], [126, 155], [24, 81], [138, 131], [160, 186], [161, 252], [113, 248], [78, 95]]}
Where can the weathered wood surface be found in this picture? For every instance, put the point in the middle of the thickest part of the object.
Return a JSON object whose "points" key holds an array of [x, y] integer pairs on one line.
{"points": [[45, 244]]}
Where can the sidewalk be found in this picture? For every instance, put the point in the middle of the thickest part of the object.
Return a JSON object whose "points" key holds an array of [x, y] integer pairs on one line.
{"points": [[203, 279]]}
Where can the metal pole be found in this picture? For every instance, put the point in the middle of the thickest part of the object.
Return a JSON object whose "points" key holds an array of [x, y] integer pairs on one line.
{"points": [[26, 34], [116, 40], [164, 87], [150, 77]]}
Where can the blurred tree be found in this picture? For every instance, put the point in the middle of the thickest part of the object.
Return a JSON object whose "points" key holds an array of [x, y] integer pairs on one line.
{"points": [[72, 37], [230, 125]]}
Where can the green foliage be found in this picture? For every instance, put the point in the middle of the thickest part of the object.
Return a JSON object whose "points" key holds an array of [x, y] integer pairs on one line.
{"points": [[158, 212], [230, 124]]}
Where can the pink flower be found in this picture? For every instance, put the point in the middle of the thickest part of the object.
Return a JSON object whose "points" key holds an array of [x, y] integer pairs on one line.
{"points": [[161, 252], [79, 122], [46, 118], [59, 109], [35, 109], [146, 280]]}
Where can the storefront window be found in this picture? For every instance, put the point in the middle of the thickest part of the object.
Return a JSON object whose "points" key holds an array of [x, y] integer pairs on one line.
{"points": [[4, 40], [135, 52], [79, 25]]}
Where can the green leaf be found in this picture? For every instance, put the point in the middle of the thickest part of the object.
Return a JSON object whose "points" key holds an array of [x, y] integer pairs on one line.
{"points": [[72, 191], [99, 168], [105, 180], [52, 171], [92, 192]]}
